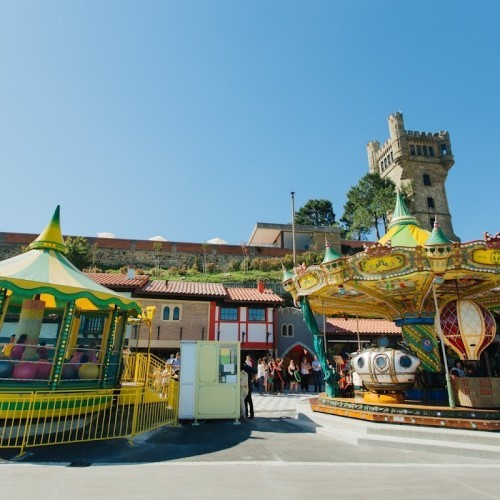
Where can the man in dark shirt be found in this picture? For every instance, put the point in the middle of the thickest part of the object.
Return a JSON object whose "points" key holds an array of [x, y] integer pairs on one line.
{"points": [[250, 371]]}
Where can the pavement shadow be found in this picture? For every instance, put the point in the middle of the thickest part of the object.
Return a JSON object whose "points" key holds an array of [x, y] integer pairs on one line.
{"points": [[182, 442]]}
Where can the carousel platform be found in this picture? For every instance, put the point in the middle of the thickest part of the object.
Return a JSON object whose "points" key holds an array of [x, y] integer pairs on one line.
{"points": [[409, 412]]}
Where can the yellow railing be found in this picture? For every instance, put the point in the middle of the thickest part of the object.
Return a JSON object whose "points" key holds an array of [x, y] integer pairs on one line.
{"points": [[46, 418]]}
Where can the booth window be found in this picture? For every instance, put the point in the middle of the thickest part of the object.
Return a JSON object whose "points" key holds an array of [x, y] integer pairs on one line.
{"points": [[171, 313], [256, 314], [91, 325], [229, 314]]}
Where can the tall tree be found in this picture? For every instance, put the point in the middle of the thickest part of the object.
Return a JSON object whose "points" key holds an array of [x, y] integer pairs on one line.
{"points": [[316, 213], [78, 251], [368, 204]]}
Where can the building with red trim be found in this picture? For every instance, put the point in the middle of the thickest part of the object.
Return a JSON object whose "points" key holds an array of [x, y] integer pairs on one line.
{"points": [[198, 311]]}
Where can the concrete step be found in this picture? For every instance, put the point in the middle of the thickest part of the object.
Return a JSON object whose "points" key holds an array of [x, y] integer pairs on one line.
{"points": [[436, 433], [442, 447], [478, 444]]}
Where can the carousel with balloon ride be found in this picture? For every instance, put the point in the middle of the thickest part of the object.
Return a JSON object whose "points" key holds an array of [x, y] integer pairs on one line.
{"points": [[62, 333], [444, 295]]}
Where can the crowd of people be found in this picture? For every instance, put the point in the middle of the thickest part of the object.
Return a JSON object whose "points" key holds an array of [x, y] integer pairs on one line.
{"points": [[274, 375]]}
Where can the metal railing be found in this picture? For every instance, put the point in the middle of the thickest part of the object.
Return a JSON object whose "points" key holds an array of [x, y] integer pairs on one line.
{"points": [[40, 418]]}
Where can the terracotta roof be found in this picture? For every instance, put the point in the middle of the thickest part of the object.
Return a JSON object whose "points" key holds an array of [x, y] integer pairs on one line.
{"points": [[118, 280], [161, 287], [252, 295], [366, 326]]}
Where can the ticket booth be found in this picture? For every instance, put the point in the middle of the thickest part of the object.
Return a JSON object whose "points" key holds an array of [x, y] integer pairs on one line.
{"points": [[209, 380]]}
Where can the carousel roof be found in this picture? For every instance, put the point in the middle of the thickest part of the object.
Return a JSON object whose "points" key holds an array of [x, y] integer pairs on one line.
{"points": [[393, 278], [404, 229], [45, 271]]}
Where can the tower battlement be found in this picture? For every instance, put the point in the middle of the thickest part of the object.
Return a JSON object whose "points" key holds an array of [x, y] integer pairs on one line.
{"points": [[418, 161]]}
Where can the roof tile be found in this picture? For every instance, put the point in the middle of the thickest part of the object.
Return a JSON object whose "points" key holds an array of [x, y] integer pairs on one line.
{"points": [[184, 288], [364, 326], [118, 280], [252, 295]]}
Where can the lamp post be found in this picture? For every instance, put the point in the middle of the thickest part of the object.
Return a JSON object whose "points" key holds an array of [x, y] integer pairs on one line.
{"points": [[293, 227], [437, 321]]}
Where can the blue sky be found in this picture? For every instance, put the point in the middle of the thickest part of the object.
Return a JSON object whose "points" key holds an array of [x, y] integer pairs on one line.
{"points": [[196, 119]]}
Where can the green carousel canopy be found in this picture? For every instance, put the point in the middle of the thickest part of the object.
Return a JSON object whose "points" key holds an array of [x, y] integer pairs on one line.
{"points": [[45, 271]]}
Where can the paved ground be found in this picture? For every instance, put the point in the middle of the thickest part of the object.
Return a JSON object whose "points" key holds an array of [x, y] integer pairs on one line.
{"points": [[270, 455]]}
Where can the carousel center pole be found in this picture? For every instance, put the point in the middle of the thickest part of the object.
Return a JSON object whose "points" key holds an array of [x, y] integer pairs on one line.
{"points": [[449, 388]]}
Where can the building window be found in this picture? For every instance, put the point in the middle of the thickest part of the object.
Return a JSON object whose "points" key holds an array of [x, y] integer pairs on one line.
{"points": [[430, 202], [419, 151], [424, 149], [256, 314], [431, 151], [412, 149], [432, 220], [287, 330], [427, 180], [171, 313], [444, 149], [177, 313], [229, 314]]}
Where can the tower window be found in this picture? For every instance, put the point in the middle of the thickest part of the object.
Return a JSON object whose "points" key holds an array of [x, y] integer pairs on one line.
{"points": [[430, 202], [424, 149], [427, 180], [419, 151], [412, 149], [432, 220], [444, 149], [431, 151], [286, 330]]}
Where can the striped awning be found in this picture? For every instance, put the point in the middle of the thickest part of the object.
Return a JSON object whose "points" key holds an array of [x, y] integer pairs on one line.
{"points": [[45, 271]]}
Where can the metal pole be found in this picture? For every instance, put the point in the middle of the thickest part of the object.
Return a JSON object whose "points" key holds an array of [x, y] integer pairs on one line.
{"points": [[325, 339], [293, 227], [437, 324], [357, 334]]}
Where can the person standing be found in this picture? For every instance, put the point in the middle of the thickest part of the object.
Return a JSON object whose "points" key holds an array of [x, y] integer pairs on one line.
{"points": [[261, 375], [250, 371], [279, 379], [316, 369], [244, 388], [305, 368], [292, 372]]}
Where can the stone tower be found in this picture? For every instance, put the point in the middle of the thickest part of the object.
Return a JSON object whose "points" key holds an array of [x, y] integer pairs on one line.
{"points": [[420, 161]]}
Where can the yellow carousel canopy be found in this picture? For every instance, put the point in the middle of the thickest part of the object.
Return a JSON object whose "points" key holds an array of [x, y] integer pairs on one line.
{"points": [[393, 277], [45, 271]]}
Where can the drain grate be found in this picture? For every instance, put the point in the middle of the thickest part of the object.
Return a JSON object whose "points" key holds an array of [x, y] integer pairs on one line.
{"points": [[80, 464]]}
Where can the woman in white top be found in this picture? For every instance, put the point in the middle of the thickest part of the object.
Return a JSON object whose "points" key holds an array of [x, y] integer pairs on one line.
{"points": [[261, 374], [305, 370], [292, 373]]}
